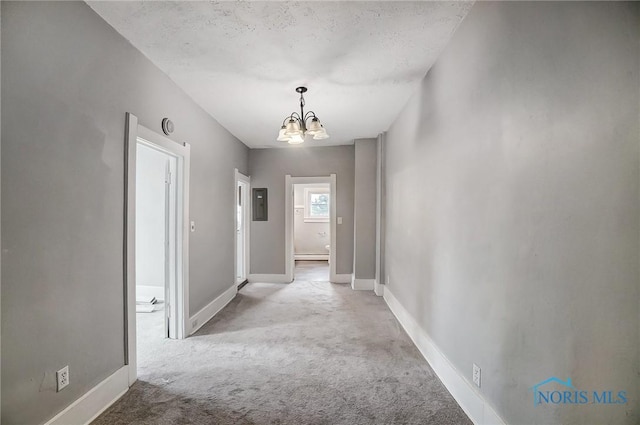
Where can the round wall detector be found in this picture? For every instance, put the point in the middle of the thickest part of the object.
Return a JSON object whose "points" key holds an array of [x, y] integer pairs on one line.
{"points": [[167, 126]]}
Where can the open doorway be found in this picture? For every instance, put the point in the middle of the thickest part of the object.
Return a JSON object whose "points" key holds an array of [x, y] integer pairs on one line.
{"points": [[156, 208], [311, 229], [315, 199], [157, 240], [242, 184]]}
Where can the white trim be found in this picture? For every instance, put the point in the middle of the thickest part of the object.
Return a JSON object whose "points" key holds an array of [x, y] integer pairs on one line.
{"points": [[151, 291], [131, 143], [182, 152], [312, 257], [362, 284], [341, 278], [380, 214], [333, 232], [472, 402], [211, 309], [289, 255], [289, 263], [378, 288], [269, 278], [134, 131], [95, 401], [239, 177]]}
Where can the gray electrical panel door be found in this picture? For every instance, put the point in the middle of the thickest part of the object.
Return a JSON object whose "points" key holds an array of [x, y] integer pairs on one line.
{"points": [[260, 204]]}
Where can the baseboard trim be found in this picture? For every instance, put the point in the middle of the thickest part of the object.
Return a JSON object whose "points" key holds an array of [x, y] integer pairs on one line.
{"points": [[378, 288], [269, 278], [472, 402], [362, 284], [148, 290], [311, 257], [95, 401], [341, 278], [207, 312]]}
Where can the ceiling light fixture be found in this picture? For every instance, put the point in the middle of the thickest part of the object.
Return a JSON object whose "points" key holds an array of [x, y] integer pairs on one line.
{"points": [[294, 127]]}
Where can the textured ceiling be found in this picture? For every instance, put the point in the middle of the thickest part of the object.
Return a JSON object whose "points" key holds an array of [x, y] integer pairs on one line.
{"points": [[241, 61]]}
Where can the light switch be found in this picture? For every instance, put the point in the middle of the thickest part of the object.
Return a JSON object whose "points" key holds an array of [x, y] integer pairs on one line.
{"points": [[339, 220], [193, 226]]}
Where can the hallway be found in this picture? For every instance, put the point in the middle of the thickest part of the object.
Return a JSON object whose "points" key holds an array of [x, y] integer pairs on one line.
{"points": [[309, 352]]}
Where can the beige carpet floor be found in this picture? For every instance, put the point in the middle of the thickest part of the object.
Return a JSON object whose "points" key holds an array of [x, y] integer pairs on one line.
{"points": [[309, 352]]}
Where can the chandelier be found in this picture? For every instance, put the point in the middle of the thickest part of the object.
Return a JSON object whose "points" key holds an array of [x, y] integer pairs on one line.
{"points": [[295, 127]]}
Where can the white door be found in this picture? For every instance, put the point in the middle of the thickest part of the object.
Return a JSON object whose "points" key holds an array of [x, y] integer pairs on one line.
{"points": [[156, 230], [242, 213], [171, 253], [239, 235], [242, 227]]}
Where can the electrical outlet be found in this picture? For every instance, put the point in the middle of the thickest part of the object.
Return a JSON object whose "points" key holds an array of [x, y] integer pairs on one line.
{"points": [[63, 378], [476, 375]]}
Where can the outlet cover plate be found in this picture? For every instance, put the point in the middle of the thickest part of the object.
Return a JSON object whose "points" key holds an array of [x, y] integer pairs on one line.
{"points": [[476, 375], [62, 377]]}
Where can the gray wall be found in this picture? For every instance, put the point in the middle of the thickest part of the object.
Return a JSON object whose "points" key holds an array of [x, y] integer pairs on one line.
{"points": [[268, 168], [513, 204], [151, 167], [308, 237], [68, 78], [364, 257]]}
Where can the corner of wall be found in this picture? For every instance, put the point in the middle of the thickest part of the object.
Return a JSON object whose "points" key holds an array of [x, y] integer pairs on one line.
{"points": [[470, 400]]}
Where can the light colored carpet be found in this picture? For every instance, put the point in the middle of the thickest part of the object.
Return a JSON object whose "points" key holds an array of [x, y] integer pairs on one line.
{"points": [[310, 352]]}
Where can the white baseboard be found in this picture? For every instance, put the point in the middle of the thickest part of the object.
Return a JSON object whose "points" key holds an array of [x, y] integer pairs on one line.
{"points": [[378, 288], [150, 291], [472, 402], [208, 311], [341, 278], [311, 257], [269, 278], [362, 284], [95, 401]]}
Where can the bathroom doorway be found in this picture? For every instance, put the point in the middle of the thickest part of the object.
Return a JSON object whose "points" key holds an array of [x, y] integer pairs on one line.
{"points": [[310, 223], [311, 227]]}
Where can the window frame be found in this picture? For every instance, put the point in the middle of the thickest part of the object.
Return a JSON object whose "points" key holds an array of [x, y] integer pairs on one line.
{"points": [[308, 192]]}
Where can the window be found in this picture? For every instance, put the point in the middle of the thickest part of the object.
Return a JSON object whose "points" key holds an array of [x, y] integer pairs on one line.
{"points": [[316, 204]]}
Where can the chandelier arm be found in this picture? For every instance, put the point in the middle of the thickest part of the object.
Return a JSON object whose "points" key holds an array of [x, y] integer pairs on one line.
{"points": [[293, 116], [309, 114]]}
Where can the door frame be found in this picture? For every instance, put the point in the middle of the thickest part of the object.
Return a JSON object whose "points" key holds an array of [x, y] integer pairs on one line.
{"points": [[182, 152], [289, 254], [241, 178]]}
